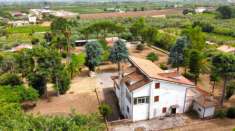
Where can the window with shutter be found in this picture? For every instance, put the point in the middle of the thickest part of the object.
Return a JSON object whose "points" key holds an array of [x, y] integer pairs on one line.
{"points": [[164, 110], [156, 98], [157, 85]]}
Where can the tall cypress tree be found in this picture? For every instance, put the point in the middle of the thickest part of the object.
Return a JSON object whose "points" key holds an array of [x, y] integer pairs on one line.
{"points": [[177, 52], [119, 53], [93, 54], [194, 64]]}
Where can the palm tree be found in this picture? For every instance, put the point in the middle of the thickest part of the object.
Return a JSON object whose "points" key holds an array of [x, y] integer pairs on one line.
{"points": [[61, 25]]}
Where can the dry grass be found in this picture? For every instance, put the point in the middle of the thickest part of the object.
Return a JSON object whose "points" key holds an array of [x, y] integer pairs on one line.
{"points": [[163, 58], [84, 103]]}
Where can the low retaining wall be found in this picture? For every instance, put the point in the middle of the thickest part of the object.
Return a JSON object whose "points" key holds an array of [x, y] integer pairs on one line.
{"points": [[118, 122], [161, 50]]}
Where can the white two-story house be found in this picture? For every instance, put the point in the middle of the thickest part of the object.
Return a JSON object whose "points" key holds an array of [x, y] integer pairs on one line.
{"points": [[145, 91]]}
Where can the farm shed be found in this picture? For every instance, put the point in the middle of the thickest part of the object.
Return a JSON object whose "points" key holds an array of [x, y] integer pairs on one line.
{"points": [[204, 106]]}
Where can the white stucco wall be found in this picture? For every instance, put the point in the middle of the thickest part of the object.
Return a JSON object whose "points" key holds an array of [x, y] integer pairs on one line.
{"points": [[198, 109], [128, 104], [123, 101], [205, 112], [170, 94], [141, 111], [209, 112]]}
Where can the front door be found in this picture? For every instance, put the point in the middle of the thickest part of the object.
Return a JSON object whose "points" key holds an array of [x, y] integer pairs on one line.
{"points": [[173, 110]]}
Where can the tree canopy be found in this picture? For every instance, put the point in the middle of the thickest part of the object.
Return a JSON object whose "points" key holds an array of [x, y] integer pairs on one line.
{"points": [[39, 65], [196, 38], [225, 66], [225, 12]]}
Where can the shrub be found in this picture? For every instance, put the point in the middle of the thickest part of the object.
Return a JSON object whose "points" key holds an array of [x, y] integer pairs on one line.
{"points": [[163, 66], [189, 75], [206, 27], [105, 110], [64, 54], [10, 79], [220, 113], [11, 119], [27, 94], [35, 41], [152, 57], [63, 80], [140, 47], [165, 41], [17, 94], [38, 82], [230, 90], [231, 112]]}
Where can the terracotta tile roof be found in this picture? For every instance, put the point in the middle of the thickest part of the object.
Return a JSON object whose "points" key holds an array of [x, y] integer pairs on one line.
{"points": [[205, 99], [155, 72], [138, 84], [133, 78], [204, 93]]}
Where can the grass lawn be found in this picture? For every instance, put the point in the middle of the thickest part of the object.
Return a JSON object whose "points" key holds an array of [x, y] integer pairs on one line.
{"points": [[220, 39]]}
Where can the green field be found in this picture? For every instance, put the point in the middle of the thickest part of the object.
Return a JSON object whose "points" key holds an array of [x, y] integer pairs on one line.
{"points": [[28, 29]]}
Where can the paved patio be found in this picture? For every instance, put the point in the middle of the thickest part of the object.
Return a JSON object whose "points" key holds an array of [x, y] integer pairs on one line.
{"points": [[154, 124]]}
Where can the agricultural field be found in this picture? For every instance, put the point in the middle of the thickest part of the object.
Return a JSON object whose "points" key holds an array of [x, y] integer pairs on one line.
{"points": [[22, 35]]}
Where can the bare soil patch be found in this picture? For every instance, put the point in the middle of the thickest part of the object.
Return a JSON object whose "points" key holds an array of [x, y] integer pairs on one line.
{"points": [[150, 13], [83, 103]]}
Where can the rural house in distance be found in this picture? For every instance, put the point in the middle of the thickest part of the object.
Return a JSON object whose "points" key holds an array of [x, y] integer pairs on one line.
{"points": [[145, 91]]}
